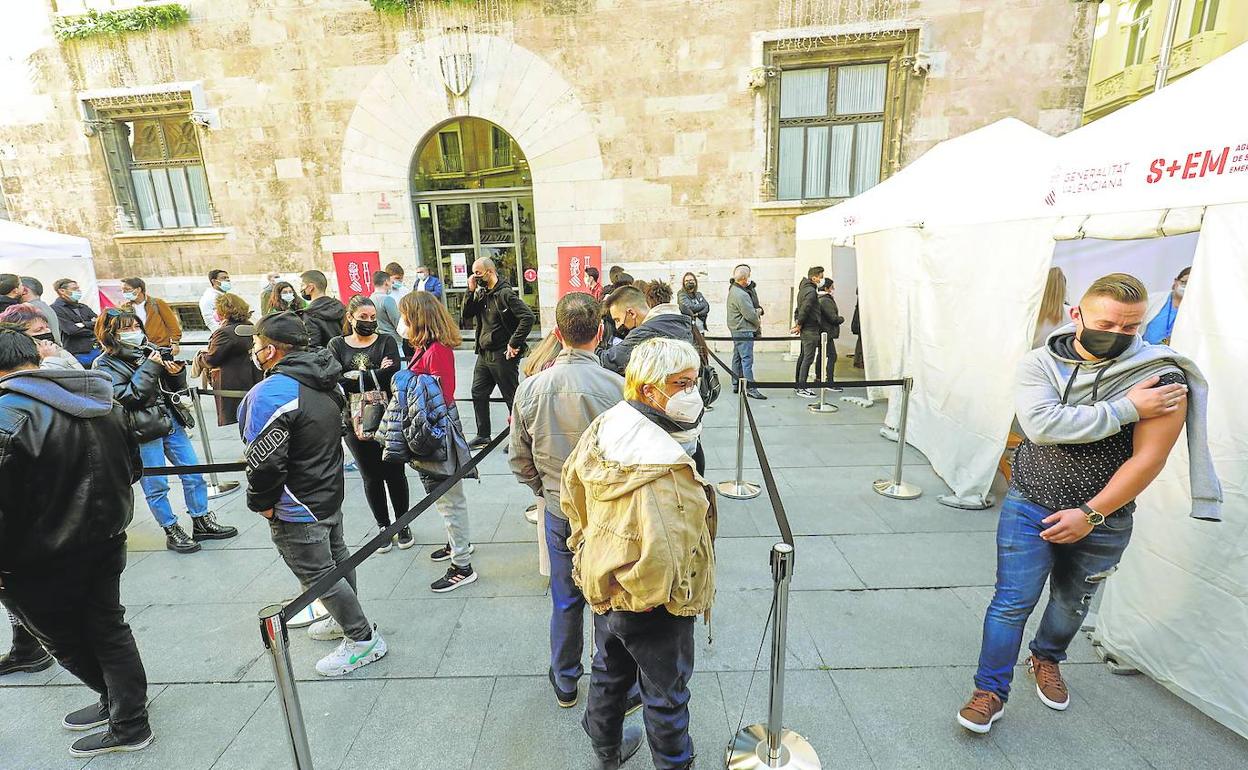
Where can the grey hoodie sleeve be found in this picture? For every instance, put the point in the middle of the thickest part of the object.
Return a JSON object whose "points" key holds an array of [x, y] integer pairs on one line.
{"points": [[1046, 420]]}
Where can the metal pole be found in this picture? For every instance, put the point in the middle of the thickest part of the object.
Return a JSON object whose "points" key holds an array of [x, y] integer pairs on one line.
{"points": [[215, 487], [273, 632], [823, 407], [1167, 44], [738, 488], [770, 745], [895, 487]]}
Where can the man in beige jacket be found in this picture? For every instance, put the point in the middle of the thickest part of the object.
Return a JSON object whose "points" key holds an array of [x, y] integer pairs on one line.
{"points": [[642, 528]]}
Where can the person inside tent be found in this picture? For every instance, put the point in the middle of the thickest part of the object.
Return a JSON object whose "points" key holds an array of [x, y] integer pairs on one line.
{"points": [[1163, 310]]}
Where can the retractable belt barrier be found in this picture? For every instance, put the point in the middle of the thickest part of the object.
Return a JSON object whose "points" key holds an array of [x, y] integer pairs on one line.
{"points": [[753, 339], [182, 470]]}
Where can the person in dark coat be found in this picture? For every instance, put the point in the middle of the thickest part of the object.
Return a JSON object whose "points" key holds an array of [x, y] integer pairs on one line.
{"points": [[830, 321], [323, 315], [691, 301], [643, 319], [77, 321], [806, 322], [503, 322], [855, 326], [227, 357]]}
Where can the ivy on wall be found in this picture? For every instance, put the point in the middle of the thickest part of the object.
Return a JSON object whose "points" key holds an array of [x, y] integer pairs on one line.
{"points": [[119, 22], [391, 6]]}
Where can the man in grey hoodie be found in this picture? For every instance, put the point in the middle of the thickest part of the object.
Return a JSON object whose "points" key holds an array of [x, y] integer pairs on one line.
{"points": [[1101, 410]]}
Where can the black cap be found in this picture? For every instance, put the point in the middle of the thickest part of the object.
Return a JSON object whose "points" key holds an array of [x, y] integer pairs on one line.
{"points": [[286, 327]]}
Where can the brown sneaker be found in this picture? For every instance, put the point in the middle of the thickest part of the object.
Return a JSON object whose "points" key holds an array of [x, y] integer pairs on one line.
{"points": [[983, 709], [1049, 684]]}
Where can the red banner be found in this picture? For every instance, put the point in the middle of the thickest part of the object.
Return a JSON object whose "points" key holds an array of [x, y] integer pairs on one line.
{"points": [[355, 272], [572, 263]]}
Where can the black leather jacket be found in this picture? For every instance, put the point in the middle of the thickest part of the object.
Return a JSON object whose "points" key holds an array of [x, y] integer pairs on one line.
{"points": [[67, 463], [77, 325], [136, 386]]}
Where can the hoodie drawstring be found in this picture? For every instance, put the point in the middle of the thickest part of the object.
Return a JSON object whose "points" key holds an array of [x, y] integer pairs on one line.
{"points": [[1070, 383]]}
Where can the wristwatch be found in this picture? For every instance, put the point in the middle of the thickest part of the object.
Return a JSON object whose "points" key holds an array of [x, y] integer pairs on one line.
{"points": [[1095, 518]]}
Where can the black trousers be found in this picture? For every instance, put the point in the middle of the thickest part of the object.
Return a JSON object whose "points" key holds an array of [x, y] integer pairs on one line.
{"points": [[654, 649], [76, 613], [810, 349], [493, 368], [379, 477], [829, 361]]}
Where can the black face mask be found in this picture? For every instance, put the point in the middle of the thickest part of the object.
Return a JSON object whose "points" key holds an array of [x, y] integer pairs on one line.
{"points": [[46, 337], [366, 328], [306, 295], [690, 286], [1105, 345]]}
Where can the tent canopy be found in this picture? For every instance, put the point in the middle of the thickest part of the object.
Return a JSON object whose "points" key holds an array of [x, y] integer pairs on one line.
{"points": [[49, 257]]}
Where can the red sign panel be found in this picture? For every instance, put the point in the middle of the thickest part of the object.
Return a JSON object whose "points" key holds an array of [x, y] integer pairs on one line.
{"points": [[355, 272], [572, 263]]}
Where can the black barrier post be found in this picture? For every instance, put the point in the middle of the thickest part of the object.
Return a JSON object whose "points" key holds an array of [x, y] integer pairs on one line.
{"points": [[738, 488], [823, 407], [215, 487], [895, 487], [276, 641]]}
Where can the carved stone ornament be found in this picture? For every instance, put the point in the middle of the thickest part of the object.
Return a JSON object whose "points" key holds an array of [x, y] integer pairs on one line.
{"points": [[457, 71], [760, 75]]}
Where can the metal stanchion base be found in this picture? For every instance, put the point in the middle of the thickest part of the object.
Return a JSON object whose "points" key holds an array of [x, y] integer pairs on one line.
{"points": [[749, 751], [823, 408], [899, 490], [222, 489], [309, 615], [738, 490]]}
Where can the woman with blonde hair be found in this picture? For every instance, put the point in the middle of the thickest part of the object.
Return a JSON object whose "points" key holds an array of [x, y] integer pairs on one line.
{"points": [[1054, 312], [434, 336]]}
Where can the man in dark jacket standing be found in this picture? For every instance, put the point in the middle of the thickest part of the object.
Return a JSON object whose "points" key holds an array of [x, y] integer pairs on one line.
{"points": [[292, 425], [67, 465], [324, 314], [630, 310], [806, 323], [503, 323], [77, 322]]}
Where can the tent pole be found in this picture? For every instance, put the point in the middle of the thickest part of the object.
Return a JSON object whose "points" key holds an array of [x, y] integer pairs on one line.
{"points": [[1167, 45]]}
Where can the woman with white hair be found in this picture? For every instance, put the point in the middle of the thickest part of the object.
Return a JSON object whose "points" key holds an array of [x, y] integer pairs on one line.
{"points": [[642, 523]]}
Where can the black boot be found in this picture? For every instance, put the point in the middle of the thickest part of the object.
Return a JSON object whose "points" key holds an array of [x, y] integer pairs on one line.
{"points": [[27, 655], [206, 528], [177, 540], [612, 757]]}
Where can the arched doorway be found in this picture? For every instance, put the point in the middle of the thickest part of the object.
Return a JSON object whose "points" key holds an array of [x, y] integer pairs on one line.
{"points": [[472, 194]]}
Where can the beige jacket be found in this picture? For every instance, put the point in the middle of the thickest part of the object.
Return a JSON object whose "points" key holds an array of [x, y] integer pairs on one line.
{"points": [[642, 520]]}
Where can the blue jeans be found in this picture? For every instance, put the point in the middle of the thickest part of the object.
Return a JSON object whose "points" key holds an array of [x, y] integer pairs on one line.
{"points": [[742, 356], [177, 447], [1024, 562]]}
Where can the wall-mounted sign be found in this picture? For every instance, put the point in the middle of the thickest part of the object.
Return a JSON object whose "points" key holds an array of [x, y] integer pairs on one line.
{"points": [[355, 272], [572, 263], [459, 269], [530, 275]]}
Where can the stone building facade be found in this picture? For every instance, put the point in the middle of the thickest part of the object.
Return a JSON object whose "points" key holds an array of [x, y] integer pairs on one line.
{"points": [[655, 129]]}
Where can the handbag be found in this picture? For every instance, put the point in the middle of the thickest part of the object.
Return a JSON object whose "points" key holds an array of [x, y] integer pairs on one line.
{"points": [[367, 408], [708, 384]]}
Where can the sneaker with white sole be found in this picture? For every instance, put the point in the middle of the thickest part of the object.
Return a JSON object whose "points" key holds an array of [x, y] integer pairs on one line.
{"points": [[405, 538], [444, 553], [326, 630], [1050, 687], [454, 578], [351, 655], [104, 743], [86, 718], [981, 712], [387, 545]]}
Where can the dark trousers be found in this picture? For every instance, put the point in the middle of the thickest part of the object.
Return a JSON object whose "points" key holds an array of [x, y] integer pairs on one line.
{"points": [[493, 368], [379, 477], [829, 361], [656, 648], [76, 613], [810, 351]]}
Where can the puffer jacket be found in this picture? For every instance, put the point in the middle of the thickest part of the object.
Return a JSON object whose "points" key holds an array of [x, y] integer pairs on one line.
{"points": [[664, 320], [136, 386], [417, 402], [642, 520]]}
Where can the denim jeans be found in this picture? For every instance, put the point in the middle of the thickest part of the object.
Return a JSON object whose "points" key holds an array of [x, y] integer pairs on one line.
{"points": [[655, 648], [567, 611], [177, 447], [742, 356], [312, 550], [1024, 562]]}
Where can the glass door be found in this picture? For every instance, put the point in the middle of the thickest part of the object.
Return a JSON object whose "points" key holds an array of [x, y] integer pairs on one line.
{"points": [[456, 245]]}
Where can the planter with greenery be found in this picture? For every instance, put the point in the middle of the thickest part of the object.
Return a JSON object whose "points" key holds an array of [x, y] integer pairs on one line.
{"points": [[119, 22]]}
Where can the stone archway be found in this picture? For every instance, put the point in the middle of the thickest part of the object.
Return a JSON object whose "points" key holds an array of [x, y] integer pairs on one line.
{"points": [[513, 88]]}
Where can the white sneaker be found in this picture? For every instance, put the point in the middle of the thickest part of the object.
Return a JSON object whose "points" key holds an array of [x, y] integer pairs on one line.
{"points": [[530, 514], [326, 630], [351, 655]]}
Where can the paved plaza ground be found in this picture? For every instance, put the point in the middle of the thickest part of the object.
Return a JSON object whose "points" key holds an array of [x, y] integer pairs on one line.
{"points": [[888, 600]]}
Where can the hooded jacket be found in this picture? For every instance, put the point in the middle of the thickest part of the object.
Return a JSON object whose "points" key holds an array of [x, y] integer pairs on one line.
{"points": [[323, 319], [641, 521], [136, 386], [743, 314], [502, 318], [664, 320], [292, 425], [67, 466], [806, 309], [1060, 400]]}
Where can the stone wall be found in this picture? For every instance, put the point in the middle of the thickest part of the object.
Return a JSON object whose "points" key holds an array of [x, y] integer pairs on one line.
{"points": [[636, 115]]}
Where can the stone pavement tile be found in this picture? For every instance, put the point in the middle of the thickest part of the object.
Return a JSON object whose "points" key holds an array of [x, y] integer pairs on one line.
{"points": [[333, 713], [31, 736], [416, 632], [506, 569], [502, 636], [170, 578], [976, 598], [253, 533], [925, 514], [376, 577], [1162, 727], [525, 730], [907, 719], [819, 513], [422, 724], [821, 566], [737, 622], [887, 628], [923, 560], [196, 643], [812, 707], [744, 564], [193, 725], [512, 526]]}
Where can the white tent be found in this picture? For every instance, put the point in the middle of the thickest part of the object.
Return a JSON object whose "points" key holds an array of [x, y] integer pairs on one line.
{"points": [[48, 256], [950, 297]]}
